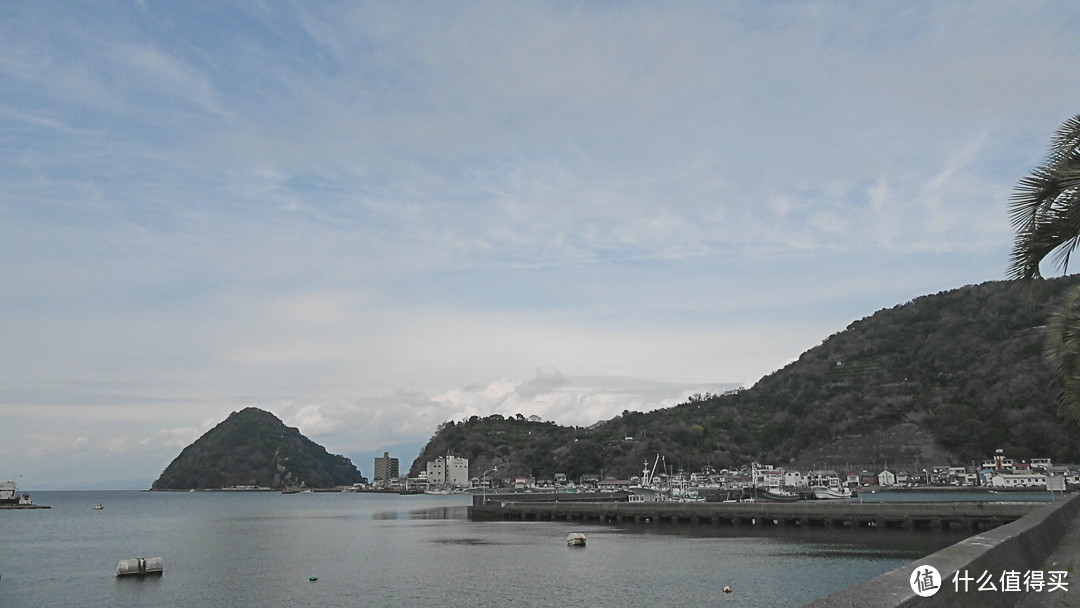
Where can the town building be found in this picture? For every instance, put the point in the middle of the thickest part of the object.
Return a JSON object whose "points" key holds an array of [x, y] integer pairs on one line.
{"points": [[1003, 480], [886, 478], [448, 471], [386, 468], [1042, 464], [794, 479]]}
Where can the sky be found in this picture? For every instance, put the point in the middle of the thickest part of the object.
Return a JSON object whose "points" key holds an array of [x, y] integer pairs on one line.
{"points": [[371, 218]]}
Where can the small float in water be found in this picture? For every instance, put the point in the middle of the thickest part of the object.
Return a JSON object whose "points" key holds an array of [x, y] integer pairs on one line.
{"points": [[575, 539], [99, 507], [140, 566]]}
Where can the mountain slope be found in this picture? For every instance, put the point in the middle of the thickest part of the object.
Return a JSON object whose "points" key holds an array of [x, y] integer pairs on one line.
{"points": [[253, 447], [946, 377]]}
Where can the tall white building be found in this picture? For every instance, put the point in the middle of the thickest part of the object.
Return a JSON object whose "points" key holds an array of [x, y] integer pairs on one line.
{"points": [[449, 471]]}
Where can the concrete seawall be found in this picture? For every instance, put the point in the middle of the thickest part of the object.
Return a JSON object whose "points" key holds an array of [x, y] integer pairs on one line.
{"points": [[1020, 546]]}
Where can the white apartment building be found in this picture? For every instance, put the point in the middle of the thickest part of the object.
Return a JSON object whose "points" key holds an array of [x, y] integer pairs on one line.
{"points": [[449, 472]]}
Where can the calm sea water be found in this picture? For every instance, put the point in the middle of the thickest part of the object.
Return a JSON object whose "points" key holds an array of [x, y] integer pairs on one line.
{"points": [[259, 549]]}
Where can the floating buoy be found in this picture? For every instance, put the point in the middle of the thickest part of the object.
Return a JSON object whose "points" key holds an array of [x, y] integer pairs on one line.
{"points": [[140, 565], [727, 589], [575, 539]]}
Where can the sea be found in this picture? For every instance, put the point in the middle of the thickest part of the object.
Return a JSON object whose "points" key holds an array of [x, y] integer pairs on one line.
{"points": [[261, 549]]}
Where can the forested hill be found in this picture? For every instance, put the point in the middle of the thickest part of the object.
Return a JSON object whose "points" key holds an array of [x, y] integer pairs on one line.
{"points": [[253, 447], [946, 377]]}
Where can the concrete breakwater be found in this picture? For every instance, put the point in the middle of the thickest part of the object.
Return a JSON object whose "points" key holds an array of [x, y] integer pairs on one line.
{"points": [[847, 514], [1021, 546]]}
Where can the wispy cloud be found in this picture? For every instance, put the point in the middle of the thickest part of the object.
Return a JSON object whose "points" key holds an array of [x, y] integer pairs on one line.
{"points": [[371, 218]]}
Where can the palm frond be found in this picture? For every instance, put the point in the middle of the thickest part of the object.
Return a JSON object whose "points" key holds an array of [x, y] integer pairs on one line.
{"points": [[1044, 208]]}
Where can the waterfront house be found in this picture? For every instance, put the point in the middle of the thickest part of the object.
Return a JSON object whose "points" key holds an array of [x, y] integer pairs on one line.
{"points": [[613, 485], [852, 479], [418, 483], [1006, 480], [939, 475], [886, 478], [794, 479], [823, 477], [1042, 464], [589, 480]]}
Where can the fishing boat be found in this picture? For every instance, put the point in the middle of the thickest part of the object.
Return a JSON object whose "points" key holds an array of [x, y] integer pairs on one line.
{"points": [[575, 539], [767, 485], [647, 489], [776, 495], [826, 486]]}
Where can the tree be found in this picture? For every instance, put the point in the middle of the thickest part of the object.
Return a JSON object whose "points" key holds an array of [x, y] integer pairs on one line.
{"points": [[1062, 350], [1045, 212]]}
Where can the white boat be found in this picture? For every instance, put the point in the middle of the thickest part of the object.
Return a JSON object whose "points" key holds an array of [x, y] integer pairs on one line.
{"points": [[99, 507], [575, 539], [832, 492]]}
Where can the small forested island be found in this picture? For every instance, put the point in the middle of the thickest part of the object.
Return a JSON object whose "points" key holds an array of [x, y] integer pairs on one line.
{"points": [[944, 378], [252, 448]]}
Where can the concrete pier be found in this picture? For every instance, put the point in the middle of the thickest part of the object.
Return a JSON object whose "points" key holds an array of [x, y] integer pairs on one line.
{"points": [[977, 516]]}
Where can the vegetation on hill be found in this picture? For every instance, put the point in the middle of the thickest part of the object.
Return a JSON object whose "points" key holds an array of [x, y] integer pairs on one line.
{"points": [[961, 373], [253, 447]]}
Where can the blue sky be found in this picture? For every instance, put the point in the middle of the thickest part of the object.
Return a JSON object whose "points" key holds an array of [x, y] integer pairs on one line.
{"points": [[369, 218]]}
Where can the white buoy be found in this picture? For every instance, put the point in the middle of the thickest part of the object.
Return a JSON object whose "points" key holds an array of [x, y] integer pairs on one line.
{"points": [[140, 565]]}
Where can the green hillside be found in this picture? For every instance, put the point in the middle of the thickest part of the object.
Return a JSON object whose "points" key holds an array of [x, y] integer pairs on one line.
{"points": [[253, 447], [945, 377]]}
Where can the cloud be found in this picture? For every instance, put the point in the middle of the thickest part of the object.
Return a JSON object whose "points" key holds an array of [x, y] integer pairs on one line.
{"points": [[372, 218], [548, 378], [310, 420], [578, 401]]}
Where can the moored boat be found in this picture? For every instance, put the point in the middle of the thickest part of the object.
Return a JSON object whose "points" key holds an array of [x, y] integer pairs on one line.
{"points": [[776, 495], [832, 492], [575, 539]]}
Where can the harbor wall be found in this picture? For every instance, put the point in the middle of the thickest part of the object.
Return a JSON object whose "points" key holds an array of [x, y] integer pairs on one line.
{"points": [[975, 515], [1020, 546]]}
